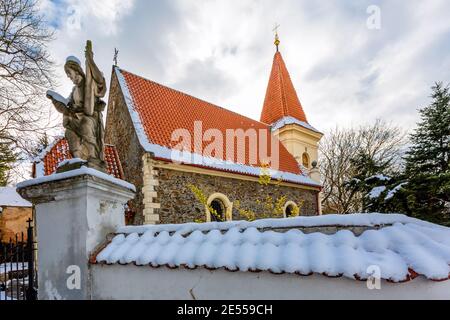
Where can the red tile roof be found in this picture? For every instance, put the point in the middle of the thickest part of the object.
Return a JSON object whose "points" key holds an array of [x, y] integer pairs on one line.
{"points": [[60, 152], [162, 110], [281, 98]]}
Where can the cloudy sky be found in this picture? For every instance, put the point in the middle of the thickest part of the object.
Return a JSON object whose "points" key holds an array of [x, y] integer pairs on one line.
{"points": [[221, 51]]}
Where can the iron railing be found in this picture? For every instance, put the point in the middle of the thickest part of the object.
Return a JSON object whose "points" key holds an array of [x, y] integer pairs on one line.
{"points": [[17, 271]]}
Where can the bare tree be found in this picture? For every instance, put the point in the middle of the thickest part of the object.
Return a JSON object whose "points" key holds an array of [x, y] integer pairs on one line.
{"points": [[381, 142], [336, 151], [25, 72]]}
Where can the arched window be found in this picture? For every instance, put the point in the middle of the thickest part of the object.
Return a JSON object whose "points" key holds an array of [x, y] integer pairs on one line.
{"points": [[222, 206], [290, 209], [305, 160], [219, 210]]}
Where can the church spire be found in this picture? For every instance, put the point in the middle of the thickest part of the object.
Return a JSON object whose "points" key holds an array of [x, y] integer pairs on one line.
{"points": [[281, 98]]}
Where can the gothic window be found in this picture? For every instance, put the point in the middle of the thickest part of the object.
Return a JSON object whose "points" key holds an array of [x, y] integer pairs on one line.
{"points": [[305, 160]]}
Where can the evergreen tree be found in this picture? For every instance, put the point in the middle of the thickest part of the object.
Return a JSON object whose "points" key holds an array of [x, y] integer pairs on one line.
{"points": [[7, 158], [427, 194], [377, 181], [376, 165]]}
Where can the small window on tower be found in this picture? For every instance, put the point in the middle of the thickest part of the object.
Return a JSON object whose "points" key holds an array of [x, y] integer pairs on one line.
{"points": [[305, 160]]}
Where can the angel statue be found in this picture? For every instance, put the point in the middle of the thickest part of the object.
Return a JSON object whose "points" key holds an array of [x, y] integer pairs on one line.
{"points": [[82, 111]]}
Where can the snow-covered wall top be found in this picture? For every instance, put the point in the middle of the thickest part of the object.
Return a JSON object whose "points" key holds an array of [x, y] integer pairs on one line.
{"points": [[74, 173], [402, 249], [10, 198], [343, 220]]}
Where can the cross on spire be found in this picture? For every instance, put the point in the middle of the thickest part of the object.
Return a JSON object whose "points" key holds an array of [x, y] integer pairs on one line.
{"points": [[116, 54], [277, 39]]}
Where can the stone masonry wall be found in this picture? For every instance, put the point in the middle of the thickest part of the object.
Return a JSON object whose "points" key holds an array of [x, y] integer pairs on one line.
{"points": [[119, 131], [178, 203]]}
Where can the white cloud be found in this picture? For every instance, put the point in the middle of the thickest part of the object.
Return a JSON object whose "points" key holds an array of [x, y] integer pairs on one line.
{"points": [[221, 51]]}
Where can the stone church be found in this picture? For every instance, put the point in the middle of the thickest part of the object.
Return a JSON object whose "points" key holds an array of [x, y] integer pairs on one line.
{"points": [[142, 117], [145, 123]]}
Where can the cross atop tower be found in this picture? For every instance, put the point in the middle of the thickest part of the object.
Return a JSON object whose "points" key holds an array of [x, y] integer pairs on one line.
{"points": [[116, 54], [277, 39]]}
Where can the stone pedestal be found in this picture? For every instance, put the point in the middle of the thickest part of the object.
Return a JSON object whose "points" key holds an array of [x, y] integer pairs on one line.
{"points": [[74, 213]]}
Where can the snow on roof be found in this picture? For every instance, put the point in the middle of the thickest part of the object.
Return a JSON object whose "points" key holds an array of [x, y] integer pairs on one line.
{"points": [[10, 198], [44, 152], [290, 120], [57, 154], [402, 248]]}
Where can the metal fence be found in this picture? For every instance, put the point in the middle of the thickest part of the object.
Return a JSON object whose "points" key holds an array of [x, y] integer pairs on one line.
{"points": [[17, 267]]}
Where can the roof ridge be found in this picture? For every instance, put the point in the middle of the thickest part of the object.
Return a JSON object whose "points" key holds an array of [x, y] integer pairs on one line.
{"points": [[191, 96]]}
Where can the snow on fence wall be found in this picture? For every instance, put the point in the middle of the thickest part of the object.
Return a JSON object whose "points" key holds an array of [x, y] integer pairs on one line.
{"points": [[252, 260], [391, 256]]}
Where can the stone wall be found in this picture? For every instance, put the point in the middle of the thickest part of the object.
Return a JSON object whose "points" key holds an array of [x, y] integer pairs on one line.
{"points": [[119, 131], [13, 220], [179, 205]]}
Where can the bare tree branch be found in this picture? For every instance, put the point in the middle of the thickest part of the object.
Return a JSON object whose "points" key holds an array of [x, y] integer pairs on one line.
{"points": [[381, 142], [25, 72]]}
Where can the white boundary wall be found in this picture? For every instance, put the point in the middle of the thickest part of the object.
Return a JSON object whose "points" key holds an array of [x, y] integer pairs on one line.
{"points": [[75, 211], [138, 282]]}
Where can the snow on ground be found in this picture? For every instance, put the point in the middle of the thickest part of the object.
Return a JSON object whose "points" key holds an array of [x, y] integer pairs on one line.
{"points": [[10, 198], [7, 267], [402, 245], [4, 297]]}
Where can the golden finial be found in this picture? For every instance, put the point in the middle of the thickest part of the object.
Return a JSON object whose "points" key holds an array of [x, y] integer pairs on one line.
{"points": [[277, 39]]}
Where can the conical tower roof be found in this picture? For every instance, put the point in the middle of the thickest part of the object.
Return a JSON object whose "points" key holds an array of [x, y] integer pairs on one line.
{"points": [[281, 98]]}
